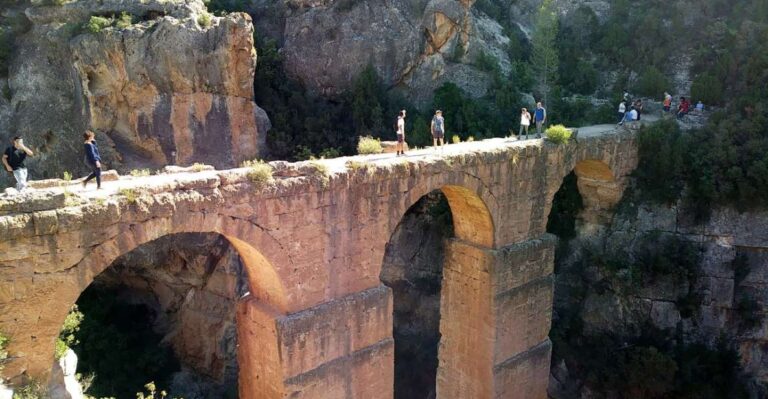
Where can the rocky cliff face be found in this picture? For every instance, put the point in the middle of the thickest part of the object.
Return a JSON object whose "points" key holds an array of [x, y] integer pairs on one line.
{"points": [[725, 296], [414, 45], [167, 87]]}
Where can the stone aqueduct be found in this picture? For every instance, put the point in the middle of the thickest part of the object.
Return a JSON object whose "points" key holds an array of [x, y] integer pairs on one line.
{"points": [[318, 322]]}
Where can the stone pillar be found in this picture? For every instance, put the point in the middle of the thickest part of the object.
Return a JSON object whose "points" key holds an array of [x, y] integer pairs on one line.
{"points": [[523, 292], [465, 355], [340, 349], [496, 313]]}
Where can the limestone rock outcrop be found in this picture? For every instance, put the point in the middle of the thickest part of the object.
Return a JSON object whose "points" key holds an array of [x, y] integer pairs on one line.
{"points": [[733, 268], [167, 88], [414, 45]]}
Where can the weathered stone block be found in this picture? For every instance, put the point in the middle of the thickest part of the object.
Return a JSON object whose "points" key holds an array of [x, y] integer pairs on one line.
{"points": [[335, 329], [521, 263], [367, 373], [524, 376], [523, 317]]}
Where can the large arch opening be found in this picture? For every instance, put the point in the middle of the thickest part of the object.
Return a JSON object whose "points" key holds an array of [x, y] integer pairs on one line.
{"points": [[413, 269], [421, 269], [181, 311]]}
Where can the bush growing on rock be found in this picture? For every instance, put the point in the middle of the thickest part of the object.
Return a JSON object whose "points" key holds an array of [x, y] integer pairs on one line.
{"points": [[558, 134], [125, 20], [67, 337], [708, 89], [3, 349], [260, 173], [369, 145], [204, 19], [652, 83], [140, 172], [96, 24]]}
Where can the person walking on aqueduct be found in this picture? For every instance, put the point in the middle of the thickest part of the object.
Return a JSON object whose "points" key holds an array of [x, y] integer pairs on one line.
{"points": [[622, 112], [667, 102], [438, 129], [13, 160], [525, 122], [92, 158], [541, 118], [400, 133]]}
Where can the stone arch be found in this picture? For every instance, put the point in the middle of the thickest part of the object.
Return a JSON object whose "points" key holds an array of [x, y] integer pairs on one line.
{"points": [[600, 190], [256, 314], [473, 220], [463, 291]]}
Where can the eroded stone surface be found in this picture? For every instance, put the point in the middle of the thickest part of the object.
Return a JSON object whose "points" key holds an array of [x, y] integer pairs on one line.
{"points": [[163, 90]]}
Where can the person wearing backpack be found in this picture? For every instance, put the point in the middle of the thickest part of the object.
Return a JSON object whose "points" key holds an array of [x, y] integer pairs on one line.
{"points": [[400, 130], [438, 129], [92, 158]]}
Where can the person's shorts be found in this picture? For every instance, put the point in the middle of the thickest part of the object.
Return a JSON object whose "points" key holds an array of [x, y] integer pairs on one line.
{"points": [[400, 138], [437, 134], [666, 108]]}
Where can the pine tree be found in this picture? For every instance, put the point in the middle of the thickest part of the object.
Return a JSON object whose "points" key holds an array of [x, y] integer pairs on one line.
{"points": [[544, 59]]}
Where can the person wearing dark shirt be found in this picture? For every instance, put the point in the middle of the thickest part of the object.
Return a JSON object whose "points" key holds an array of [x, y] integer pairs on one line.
{"points": [[13, 160], [92, 158]]}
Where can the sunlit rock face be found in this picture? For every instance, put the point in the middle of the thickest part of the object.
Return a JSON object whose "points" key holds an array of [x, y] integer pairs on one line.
{"points": [[163, 89]]}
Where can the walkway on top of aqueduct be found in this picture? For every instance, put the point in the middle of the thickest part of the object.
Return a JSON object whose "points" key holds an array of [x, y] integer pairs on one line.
{"points": [[318, 321]]}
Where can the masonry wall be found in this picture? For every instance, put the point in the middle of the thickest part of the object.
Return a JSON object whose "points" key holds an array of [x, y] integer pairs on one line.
{"points": [[312, 247]]}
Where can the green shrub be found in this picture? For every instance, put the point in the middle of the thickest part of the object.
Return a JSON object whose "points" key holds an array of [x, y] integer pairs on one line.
{"points": [[329, 153], [198, 167], [355, 165], [96, 24], [659, 173], [152, 392], [131, 194], [455, 139], [260, 173], [125, 20], [652, 83], [204, 19], [322, 172], [558, 134], [30, 390], [470, 138], [707, 89], [4, 340], [67, 337], [140, 172], [369, 145]]}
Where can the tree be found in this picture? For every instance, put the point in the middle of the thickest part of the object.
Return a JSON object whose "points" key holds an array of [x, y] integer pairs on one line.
{"points": [[367, 112], [544, 59]]}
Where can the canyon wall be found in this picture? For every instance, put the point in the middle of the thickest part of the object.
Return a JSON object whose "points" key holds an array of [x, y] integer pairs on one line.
{"points": [[164, 83]]}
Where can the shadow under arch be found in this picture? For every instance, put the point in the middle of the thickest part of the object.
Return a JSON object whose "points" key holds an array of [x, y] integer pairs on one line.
{"points": [[600, 191], [256, 312], [427, 258]]}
